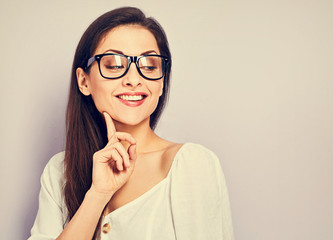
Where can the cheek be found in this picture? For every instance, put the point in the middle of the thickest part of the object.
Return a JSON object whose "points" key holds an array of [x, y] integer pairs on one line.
{"points": [[101, 95], [157, 92], [161, 91], [157, 89]]}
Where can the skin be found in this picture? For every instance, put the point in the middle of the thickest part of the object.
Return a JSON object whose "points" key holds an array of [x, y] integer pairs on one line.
{"points": [[133, 150], [130, 40]]}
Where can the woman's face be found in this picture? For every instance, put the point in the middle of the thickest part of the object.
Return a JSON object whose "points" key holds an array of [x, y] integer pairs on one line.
{"points": [[112, 96]]}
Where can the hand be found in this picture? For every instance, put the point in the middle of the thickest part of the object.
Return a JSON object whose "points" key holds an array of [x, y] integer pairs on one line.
{"points": [[113, 165]]}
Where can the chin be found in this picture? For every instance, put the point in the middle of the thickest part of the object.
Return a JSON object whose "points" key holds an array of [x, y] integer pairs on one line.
{"points": [[132, 122]]}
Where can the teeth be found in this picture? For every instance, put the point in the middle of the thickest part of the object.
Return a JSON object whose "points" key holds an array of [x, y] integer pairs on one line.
{"points": [[131, 97]]}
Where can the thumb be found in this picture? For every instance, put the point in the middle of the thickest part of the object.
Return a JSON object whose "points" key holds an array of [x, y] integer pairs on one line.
{"points": [[132, 152]]}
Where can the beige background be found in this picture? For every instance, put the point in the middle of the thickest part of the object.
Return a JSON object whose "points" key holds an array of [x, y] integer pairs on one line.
{"points": [[252, 80]]}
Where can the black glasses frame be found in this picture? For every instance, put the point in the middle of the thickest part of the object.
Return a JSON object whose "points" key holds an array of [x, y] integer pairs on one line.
{"points": [[130, 59]]}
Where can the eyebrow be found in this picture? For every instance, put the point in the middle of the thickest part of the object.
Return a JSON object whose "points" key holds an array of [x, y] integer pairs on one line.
{"points": [[120, 52]]}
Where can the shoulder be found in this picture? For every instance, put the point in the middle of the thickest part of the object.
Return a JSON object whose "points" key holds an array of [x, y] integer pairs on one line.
{"points": [[52, 212], [195, 164], [195, 149], [52, 178], [55, 166], [199, 195], [197, 157], [197, 176]]}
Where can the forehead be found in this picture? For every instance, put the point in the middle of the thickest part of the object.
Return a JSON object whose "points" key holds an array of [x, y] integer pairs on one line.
{"points": [[129, 39]]}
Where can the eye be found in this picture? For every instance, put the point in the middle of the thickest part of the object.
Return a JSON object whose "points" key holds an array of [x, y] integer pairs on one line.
{"points": [[113, 63], [148, 68], [150, 64], [115, 67]]}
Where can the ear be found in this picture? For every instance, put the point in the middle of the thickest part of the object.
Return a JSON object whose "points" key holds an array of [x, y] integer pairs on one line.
{"points": [[82, 81]]}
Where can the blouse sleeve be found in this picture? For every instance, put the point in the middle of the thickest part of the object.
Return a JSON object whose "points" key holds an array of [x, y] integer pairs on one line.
{"points": [[199, 197], [50, 220]]}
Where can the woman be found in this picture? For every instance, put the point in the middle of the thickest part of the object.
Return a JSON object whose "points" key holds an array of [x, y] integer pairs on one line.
{"points": [[117, 179]]}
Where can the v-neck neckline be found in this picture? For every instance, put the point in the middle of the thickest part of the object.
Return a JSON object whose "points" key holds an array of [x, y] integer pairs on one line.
{"points": [[150, 191]]}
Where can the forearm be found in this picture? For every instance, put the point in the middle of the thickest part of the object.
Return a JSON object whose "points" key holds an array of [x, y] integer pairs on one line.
{"points": [[82, 226]]}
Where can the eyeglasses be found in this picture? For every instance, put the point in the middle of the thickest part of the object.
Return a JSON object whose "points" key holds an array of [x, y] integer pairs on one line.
{"points": [[113, 66]]}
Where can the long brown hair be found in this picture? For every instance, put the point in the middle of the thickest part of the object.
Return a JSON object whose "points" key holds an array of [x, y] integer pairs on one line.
{"points": [[86, 130]]}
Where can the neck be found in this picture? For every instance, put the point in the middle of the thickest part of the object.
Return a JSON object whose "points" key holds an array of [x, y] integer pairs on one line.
{"points": [[142, 133]]}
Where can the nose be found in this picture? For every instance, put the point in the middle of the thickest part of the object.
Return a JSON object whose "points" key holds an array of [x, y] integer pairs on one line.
{"points": [[132, 78]]}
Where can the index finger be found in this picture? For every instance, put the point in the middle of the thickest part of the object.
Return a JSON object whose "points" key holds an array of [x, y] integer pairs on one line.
{"points": [[110, 128]]}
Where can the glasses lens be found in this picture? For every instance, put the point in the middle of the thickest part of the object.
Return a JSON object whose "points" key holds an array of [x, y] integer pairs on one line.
{"points": [[151, 66], [113, 66]]}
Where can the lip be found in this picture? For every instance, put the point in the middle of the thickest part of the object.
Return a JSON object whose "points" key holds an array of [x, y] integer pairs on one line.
{"points": [[132, 103]]}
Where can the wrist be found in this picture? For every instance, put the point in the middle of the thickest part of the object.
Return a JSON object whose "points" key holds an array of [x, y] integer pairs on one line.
{"points": [[101, 197]]}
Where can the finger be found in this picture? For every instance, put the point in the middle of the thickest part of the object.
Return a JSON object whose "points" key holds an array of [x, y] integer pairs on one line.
{"points": [[104, 155], [110, 128], [121, 150], [112, 157], [132, 152], [123, 136], [118, 159]]}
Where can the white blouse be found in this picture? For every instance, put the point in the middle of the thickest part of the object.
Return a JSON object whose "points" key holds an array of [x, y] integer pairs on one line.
{"points": [[190, 203]]}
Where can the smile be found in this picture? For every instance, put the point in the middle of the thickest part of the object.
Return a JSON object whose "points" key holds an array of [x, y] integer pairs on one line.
{"points": [[132, 99]]}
